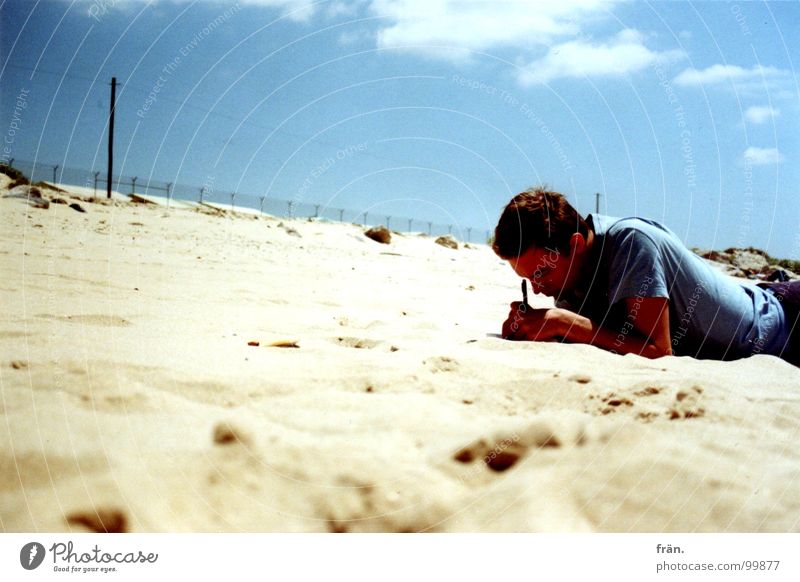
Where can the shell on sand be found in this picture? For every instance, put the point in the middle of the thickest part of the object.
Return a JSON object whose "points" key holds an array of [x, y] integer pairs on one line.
{"points": [[284, 344]]}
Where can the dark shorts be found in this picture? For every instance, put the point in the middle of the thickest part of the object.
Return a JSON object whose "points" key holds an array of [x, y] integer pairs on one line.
{"points": [[788, 294]]}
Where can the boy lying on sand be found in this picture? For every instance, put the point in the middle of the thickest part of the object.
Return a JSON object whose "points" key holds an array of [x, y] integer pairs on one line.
{"points": [[630, 286]]}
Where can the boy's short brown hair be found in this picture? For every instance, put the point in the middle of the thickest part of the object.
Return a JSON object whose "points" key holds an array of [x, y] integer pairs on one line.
{"points": [[537, 218]]}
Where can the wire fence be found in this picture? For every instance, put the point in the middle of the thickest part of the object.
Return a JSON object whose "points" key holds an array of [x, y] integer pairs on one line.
{"points": [[208, 194]]}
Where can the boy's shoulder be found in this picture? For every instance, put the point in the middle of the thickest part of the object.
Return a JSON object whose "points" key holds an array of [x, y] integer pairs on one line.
{"points": [[613, 226], [634, 232]]}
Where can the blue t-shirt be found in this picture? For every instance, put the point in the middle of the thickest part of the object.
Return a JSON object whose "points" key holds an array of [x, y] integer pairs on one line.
{"points": [[711, 314]]}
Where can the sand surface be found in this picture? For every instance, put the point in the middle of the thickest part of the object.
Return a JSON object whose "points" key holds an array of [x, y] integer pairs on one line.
{"points": [[132, 401]]}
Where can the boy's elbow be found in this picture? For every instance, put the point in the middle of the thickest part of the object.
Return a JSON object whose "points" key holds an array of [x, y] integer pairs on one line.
{"points": [[654, 352]]}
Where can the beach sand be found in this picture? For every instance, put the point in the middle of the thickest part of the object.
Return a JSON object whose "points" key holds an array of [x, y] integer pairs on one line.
{"points": [[135, 399]]}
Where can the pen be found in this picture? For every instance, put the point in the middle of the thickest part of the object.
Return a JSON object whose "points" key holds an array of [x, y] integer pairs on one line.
{"points": [[525, 293]]}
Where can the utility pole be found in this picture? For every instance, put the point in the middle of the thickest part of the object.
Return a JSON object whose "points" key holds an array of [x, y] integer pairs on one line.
{"points": [[111, 134], [597, 202]]}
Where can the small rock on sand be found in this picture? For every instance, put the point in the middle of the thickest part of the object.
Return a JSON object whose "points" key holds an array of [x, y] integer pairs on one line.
{"points": [[100, 520], [447, 241], [25, 191], [226, 434], [379, 234]]}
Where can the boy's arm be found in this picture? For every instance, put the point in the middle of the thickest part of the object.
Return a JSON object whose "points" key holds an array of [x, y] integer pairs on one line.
{"points": [[645, 330]]}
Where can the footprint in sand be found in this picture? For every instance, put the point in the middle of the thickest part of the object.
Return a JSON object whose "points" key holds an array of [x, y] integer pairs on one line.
{"points": [[237, 461], [115, 401], [357, 343], [503, 450], [648, 391], [36, 470], [136, 386], [101, 320], [687, 405], [648, 403], [13, 334], [623, 400], [441, 364], [613, 402]]}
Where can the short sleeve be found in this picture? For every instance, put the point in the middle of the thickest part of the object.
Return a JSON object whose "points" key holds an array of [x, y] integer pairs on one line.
{"points": [[636, 267]]}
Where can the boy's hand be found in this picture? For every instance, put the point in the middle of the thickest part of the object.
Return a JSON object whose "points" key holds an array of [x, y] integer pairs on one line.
{"points": [[526, 323]]}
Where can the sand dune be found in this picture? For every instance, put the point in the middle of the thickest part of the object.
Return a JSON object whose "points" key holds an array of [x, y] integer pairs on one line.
{"points": [[134, 397]]}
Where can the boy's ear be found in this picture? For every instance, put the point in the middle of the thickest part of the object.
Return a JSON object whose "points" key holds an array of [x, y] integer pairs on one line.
{"points": [[577, 244]]}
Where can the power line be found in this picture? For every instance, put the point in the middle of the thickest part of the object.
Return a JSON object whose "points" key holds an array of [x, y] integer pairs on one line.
{"points": [[185, 104]]}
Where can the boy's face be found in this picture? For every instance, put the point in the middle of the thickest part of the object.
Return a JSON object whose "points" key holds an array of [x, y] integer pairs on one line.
{"points": [[550, 271]]}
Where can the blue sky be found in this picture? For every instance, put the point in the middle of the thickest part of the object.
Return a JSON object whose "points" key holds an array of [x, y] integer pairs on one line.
{"points": [[439, 110]]}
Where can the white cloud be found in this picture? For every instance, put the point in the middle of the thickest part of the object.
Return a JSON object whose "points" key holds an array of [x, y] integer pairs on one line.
{"points": [[343, 8], [455, 30], [462, 26], [763, 156], [622, 55], [758, 114], [758, 76]]}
